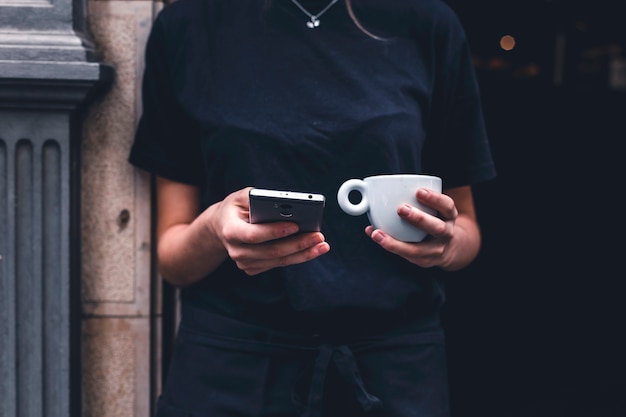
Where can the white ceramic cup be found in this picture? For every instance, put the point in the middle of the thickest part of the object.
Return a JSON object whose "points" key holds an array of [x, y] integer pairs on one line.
{"points": [[381, 195]]}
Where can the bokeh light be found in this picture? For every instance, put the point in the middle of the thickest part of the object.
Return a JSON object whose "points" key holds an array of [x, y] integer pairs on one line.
{"points": [[507, 42]]}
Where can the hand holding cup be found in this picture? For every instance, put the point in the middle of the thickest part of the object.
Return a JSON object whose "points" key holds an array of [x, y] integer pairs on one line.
{"points": [[381, 195]]}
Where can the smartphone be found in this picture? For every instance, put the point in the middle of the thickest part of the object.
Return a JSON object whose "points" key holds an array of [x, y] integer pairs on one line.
{"points": [[305, 209]]}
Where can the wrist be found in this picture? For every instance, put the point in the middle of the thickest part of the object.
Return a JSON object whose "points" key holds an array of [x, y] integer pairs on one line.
{"points": [[210, 229]]}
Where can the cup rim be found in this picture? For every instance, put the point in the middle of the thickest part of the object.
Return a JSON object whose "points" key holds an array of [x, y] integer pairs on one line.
{"points": [[402, 175]]}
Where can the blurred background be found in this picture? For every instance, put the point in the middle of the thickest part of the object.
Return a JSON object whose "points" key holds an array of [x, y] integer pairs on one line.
{"points": [[536, 326]]}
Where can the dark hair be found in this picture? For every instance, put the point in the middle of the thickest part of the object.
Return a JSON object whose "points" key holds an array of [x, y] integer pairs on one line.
{"points": [[358, 23]]}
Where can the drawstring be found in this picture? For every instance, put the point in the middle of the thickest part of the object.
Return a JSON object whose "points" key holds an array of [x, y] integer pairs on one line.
{"points": [[313, 407], [343, 358]]}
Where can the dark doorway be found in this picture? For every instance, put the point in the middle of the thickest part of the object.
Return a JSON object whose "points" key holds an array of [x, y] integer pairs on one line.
{"points": [[536, 325]]}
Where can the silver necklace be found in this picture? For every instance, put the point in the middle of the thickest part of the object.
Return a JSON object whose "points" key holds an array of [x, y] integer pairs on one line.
{"points": [[314, 18]]}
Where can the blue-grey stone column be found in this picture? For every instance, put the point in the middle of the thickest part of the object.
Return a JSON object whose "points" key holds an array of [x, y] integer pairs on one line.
{"points": [[48, 72]]}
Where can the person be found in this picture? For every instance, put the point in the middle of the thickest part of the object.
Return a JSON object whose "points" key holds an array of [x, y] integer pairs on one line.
{"points": [[302, 95]]}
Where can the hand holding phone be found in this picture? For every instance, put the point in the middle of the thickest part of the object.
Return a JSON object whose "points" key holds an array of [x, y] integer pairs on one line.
{"points": [[304, 209]]}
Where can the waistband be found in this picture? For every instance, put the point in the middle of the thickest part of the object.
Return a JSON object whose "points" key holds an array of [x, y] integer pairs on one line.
{"points": [[232, 333]]}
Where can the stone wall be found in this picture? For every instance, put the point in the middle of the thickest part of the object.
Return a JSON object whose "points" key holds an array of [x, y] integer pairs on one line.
{"points": [[121, 311]]}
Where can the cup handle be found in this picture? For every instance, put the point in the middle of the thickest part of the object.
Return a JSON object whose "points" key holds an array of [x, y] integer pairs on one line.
{"points": [[344, 201]]}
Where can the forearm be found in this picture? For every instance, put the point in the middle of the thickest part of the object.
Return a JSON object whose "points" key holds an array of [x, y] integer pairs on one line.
{"points": [[188, 252]]}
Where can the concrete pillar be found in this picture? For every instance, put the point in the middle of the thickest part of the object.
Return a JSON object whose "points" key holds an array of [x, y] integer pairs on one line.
{"points": [[119, 291], [48, 74]]}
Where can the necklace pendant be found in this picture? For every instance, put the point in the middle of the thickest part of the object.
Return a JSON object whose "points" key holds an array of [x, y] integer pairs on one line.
{"points": [[313, 23]]}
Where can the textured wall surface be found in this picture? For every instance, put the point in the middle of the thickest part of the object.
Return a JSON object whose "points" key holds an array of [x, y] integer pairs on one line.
{"points": [[116, 377], [107, 178], [116, 283]]}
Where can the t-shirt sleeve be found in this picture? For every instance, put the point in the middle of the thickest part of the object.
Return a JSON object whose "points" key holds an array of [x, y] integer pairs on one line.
{"points": [[457, 148], [166, 142]]}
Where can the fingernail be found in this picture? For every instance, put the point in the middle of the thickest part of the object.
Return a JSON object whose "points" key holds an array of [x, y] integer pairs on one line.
{"points": [[378, 236], [423, 193], [322, 249], [404, 210], [317, 239]]}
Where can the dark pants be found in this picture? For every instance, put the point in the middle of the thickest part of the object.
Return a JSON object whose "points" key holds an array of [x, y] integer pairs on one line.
{"points": [[225, 368]]}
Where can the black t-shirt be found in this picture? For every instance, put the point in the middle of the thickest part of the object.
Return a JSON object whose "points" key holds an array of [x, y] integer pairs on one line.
{"points": [[242, 93]]}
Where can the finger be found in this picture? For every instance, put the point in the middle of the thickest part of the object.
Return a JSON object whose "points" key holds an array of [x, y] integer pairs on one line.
{"points": [[293, 259], [267, 253], [266, 232], [430, 224], [443, 204], [392, 245], [425, 254], [283, 248]]}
